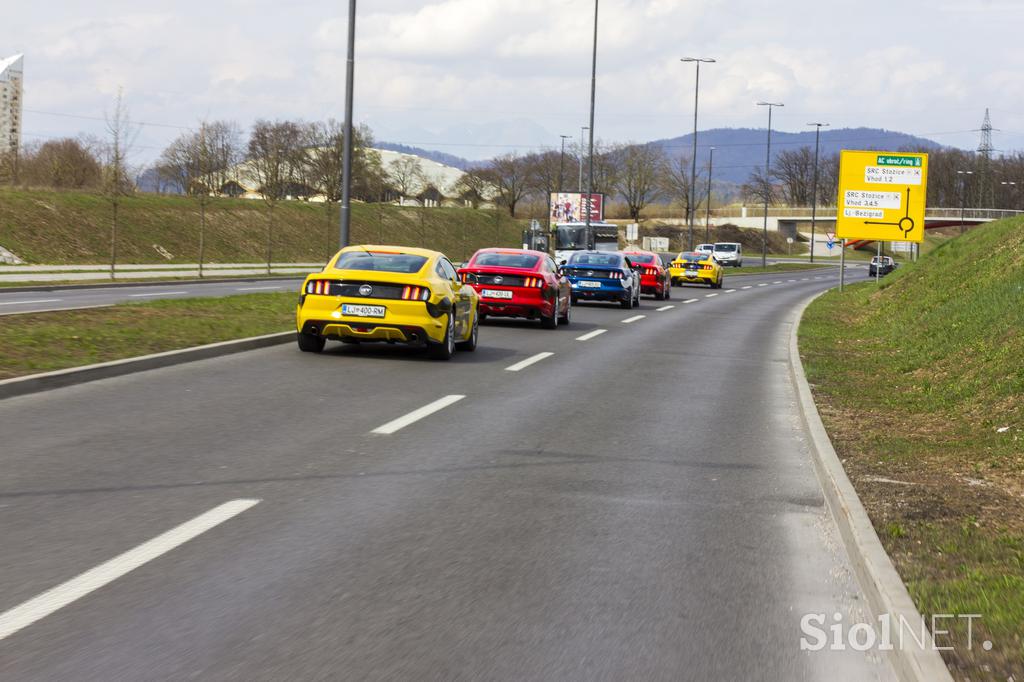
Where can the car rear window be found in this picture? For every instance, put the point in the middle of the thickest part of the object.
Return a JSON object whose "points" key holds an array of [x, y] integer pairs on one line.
{"points": [[595, 259], [380, 262], [507, 260], [692, 257], [640, 258], [725, 247]]}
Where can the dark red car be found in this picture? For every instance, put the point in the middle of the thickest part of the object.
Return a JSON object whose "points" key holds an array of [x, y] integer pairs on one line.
{"points": [[519, 283], [655, 278]]}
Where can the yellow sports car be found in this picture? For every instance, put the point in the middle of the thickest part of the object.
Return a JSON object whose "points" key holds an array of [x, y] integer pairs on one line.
{"points": [[393, 294], [697, 267]]}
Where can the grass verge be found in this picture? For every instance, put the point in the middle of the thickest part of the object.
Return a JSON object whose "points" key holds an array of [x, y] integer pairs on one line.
{"points": [[44, 342], [920, 381]]}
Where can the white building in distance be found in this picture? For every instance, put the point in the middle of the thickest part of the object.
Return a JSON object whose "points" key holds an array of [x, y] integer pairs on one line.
{"points": [[11, 75]]}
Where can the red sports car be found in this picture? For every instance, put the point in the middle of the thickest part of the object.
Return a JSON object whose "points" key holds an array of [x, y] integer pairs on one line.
{"points": [[655, 278], [519, 283]]}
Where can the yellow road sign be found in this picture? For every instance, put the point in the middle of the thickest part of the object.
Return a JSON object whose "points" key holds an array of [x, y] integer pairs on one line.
{"points": [[882, 196]]}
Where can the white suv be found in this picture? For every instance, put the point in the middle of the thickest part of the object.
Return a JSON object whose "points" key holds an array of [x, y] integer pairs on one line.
{"points": [[729, 253]]}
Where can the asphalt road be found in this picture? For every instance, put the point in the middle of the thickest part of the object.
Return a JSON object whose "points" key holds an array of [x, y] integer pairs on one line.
{"points": [[640, 504], [14, 302]]}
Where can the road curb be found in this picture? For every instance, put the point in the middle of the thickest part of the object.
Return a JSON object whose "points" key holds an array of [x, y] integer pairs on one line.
{"points": [[148, 283], [882, 585], [34, 383]]}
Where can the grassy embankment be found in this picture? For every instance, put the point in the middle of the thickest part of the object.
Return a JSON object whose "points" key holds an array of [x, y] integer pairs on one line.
{"points": [[920, 382], [49, 227], [43, 342]]}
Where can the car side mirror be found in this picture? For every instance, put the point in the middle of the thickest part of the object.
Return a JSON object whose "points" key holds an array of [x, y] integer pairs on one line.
{"points": [[563, 262], [445, 305]]}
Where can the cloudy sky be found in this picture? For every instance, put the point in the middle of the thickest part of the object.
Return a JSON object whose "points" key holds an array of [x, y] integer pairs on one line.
{"points": [[480, 77]]}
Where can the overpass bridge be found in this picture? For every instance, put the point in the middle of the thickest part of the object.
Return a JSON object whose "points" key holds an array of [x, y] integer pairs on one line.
{"points": [[793, 220]]}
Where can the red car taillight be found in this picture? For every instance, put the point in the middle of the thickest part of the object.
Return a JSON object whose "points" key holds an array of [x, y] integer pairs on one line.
{"points": [[707, 267], [534, 283], [321, 287], [650, 271], [415, 294]]}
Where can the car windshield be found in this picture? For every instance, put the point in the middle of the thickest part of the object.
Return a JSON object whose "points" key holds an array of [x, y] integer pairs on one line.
{"points": [[507, 260], [380, 262], [596, 259], [570, 237], [725, 247], [640, 258]]}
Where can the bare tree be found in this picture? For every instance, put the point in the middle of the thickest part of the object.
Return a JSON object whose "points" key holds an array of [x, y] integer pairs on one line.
{"points": [[794, 170], [406, 175], [543, 176], [606, 169], [638, 175], [275, 155], [475, 186], [61, 164], [509, 176], [758, 188], [828, 180], [121, 136], [675, 181]]}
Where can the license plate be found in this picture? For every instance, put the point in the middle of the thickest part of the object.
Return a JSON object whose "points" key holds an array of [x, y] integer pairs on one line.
{"points": [[589, 285], [691, 273], [356, 310], [495, 293]]}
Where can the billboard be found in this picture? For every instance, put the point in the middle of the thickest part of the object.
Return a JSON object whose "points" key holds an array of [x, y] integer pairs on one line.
{"points": [[570, 207]]}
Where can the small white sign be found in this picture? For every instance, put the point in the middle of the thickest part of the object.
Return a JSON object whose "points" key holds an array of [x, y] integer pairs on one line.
{"points": [[892, 175], [862, 199], [862, 213], [632, 231]]}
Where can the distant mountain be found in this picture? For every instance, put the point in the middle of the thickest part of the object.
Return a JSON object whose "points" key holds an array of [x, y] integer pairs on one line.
{"points": [[739, 150], [440, 157]]}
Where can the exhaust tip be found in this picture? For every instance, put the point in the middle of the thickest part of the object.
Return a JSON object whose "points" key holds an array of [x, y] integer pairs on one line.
{"points": [[314, 330]]}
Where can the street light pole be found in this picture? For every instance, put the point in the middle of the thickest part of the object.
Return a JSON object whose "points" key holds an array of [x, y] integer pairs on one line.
{"points": [[707, 208], [561, 163], [346, 172], [963, 195], [814, 190], [767, 175], [691, 209], [583, 129], [593, 97]]}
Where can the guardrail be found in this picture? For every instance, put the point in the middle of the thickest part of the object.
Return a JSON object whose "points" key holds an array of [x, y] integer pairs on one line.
{"points": [[830, 212]]}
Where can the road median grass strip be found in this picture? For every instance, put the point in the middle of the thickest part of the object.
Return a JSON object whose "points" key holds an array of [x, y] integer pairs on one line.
{"points": [[45, 342], [775, 267], [919, 382]]}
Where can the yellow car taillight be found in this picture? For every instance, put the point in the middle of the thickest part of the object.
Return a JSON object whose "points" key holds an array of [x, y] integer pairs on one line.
{"points": [[411, 293]]}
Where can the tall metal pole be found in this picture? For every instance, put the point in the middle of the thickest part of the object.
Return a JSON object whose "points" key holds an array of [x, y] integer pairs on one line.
{"points": [[583, 129], [814, 190], [593, 97], [691, 209], [767, 175], [963, 195], [561, 163], [346, 172], [707, 208]]}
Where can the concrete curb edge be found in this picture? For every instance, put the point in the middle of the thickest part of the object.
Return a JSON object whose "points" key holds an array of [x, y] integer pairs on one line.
{"points": [[882, 585], [35, 383]]}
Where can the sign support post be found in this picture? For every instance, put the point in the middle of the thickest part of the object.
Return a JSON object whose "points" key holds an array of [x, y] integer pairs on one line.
{"points": [[842, 264]]}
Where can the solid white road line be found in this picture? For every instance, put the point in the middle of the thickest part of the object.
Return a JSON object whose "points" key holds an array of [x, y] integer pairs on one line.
{"points": [[60, 596], [729, 291], [38, 300], [710, 295], [630, 320], [523, 364], [747, 287], [665, 307], [417, 415], [255, 288], [160, 293], [691, 300], [590, 335]]}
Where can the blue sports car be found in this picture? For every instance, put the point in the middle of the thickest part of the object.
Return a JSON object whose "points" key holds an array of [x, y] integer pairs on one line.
{"points": [[603, 276]]}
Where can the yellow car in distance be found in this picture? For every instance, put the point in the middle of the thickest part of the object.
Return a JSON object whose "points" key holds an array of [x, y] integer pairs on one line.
{"points": [[697, 267], [390, 294]]}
